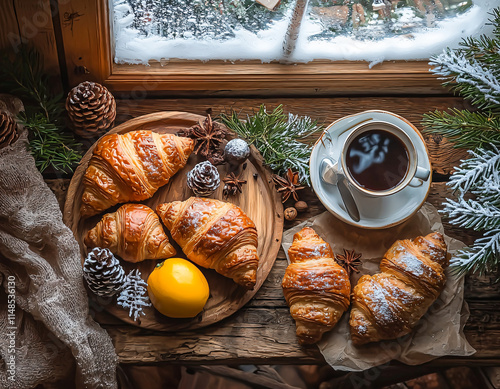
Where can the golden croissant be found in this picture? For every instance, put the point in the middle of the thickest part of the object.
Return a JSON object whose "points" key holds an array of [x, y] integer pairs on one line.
{"points": [[389, 304], [316, 288], [131, 167], [134, 232], [216, 235]]}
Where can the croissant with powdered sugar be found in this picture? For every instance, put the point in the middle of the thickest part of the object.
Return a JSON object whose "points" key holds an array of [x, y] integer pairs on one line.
{"points": [[389, 304]]}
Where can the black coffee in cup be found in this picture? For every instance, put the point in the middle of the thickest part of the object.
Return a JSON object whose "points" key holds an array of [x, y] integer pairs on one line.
{"points": [[377, 160]]}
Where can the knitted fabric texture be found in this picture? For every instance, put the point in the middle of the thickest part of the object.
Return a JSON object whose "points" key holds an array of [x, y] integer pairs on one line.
{"points": [[40, 266]]}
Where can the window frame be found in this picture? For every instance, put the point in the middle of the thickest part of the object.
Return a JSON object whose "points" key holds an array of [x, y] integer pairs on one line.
{"points": [[88, 54]]}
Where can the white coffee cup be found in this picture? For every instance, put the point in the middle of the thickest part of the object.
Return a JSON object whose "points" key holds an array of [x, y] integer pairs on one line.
{"points": [[414, 175]]}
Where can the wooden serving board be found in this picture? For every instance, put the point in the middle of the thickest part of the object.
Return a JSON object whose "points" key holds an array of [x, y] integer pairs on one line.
{"points": [[259, 201]]}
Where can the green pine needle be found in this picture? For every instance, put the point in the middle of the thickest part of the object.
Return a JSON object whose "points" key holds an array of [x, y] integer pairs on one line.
{"points": [[278, 137], [470, 130], [50, 145]]}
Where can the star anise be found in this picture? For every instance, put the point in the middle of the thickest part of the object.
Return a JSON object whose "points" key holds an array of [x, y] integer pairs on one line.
{"points": [[232, 184], [350, 261], [289, 185], [208, 136], [216, 157]]}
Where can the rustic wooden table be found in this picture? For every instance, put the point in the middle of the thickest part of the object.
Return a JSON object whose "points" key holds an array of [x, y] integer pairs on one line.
{"points": [[263, 332]]}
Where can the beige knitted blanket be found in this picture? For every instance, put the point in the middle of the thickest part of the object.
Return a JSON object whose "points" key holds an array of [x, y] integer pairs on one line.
{"points": [[44, 312]]}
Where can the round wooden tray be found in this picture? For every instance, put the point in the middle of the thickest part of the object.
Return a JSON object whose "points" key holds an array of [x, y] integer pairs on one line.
{"points": [[259, 201]]}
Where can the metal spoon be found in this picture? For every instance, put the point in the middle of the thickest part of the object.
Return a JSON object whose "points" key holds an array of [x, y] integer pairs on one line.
{"points": [[331, 175]]}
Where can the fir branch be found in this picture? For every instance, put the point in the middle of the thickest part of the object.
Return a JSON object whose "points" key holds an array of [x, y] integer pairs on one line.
{"points": [[279, 138], [479, 175], [483, 49], [49, 145], [25, 77], [472, 214], [469, 78], [473, 72], [489, 190], [472, 171], [467, 129], [482, 257]]}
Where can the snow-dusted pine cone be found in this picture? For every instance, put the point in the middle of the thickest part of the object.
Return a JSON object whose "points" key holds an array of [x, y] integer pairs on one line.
{"points": [[203, 179], [103, 272], [91, 109], [8, 130]]}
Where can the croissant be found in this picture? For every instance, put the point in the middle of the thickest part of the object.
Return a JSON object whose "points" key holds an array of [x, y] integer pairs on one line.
{"points": [[389, 304], [316, 288], [133, 232], [216, 235], [131, 167]]}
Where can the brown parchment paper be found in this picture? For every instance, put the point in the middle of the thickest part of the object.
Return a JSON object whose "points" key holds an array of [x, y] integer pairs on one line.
{"points": [[438, 333]]}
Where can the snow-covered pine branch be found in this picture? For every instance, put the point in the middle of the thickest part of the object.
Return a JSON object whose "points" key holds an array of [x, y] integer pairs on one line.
{"points": [[473, 71], [483, 256], [478, 175], [476, 170], [472, 214], [489, 190], [453, 63]]}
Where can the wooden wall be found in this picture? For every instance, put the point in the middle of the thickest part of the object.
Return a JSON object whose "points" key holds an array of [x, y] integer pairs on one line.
{"points": [[31, 23]]}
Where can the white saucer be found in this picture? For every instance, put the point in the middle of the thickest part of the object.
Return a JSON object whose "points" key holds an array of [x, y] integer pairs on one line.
{"points": [[374, 212]]}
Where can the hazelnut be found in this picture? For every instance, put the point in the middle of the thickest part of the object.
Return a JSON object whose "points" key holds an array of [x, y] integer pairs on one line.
{"points": [[301, 206], [290, 213]]}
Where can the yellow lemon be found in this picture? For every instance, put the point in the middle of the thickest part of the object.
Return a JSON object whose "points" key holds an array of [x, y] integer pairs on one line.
{"points": [[177, 288]]}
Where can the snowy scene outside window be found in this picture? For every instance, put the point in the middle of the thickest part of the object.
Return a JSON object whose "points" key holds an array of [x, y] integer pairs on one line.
{"points": [[371, 30]]}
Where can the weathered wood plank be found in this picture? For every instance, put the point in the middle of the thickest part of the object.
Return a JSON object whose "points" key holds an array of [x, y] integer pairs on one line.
{"points": [[265, 378], [482, 287], [36, 28], [252, 335], [324, 109], [30, 23], [253, 78], [86, 38], [9, 29], [263, 336]]}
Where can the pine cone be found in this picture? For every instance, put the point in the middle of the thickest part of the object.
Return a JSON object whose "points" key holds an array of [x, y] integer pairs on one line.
{"points": [[91, 109], [8, 130], [203, 179], [103, 272]]}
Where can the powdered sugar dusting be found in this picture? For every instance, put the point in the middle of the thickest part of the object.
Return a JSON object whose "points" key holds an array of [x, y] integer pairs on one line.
{"points": [[413, 265], [379, 304], [401, 296], [319, 249], [361, 328]]}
